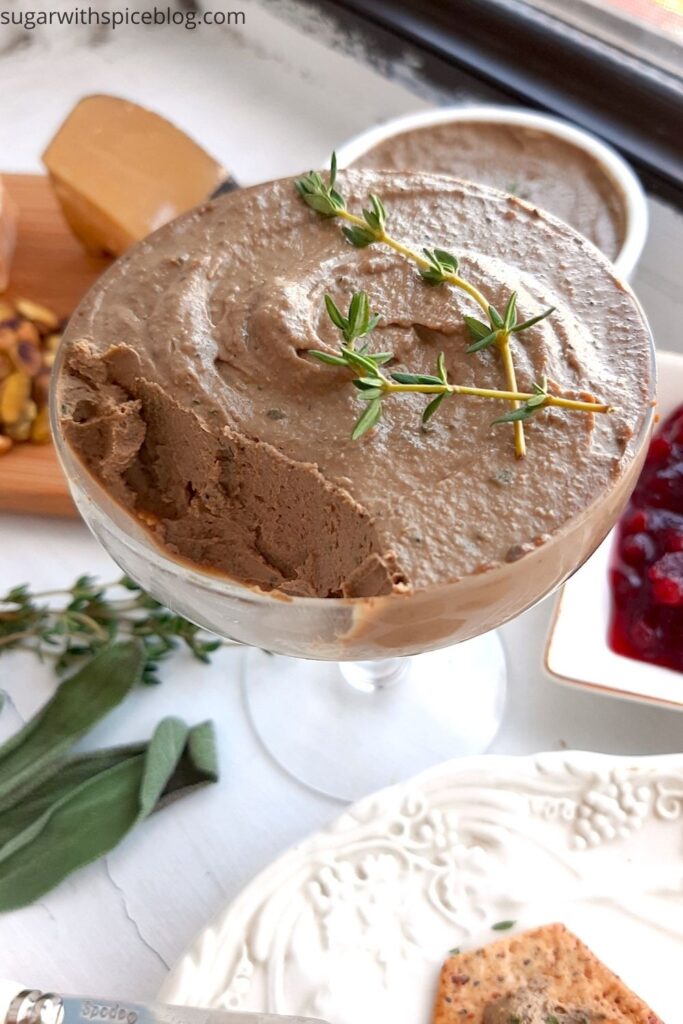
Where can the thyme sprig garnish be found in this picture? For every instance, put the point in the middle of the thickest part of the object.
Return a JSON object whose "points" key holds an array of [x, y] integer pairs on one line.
{"points": [[436, 266], [374, 384], [73, 624]]}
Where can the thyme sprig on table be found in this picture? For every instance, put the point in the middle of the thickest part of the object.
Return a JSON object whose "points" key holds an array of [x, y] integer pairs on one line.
{"points": [[89, 615], [375, 384], [436, 267]]}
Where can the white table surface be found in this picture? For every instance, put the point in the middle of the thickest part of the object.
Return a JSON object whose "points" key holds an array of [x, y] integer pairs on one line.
{"points": [[266, 99]]}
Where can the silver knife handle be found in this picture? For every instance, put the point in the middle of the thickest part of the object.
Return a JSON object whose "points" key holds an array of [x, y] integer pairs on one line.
{"points": [[33, 1007], [30, 1006]]}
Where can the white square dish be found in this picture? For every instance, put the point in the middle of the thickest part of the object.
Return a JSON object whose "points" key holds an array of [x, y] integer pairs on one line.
{"points": [[577, 651]]}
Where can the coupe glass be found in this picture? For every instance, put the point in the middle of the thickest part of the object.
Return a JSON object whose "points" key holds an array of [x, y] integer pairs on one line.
{"points": [[357, 693]]}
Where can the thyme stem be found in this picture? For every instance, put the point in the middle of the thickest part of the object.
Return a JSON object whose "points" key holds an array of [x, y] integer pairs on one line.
{"points": [[417, 258], [506, 396], [503, 344], [436, 267]]}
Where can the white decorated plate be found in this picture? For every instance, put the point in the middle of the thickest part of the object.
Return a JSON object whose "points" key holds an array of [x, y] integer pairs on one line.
{"points": [[353, 924], [583, 608]]}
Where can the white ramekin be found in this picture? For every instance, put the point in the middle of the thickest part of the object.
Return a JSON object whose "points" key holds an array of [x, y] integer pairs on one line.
{"points": [[625, 181]]}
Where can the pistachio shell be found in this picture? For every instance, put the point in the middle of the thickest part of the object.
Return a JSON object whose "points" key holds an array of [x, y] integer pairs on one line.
{"points": [[41, 387], [40, 315], [20, 430], [40, 428], [27, 357], [26, 331], [8, 338], [14, 394]]}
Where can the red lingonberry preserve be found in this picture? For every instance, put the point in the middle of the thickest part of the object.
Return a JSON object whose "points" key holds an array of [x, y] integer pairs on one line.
{"points": [[646, 574]]}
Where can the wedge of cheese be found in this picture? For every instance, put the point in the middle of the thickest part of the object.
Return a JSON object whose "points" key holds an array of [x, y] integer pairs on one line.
{"points": [[8, 234], [546, 976], [120, 171]]}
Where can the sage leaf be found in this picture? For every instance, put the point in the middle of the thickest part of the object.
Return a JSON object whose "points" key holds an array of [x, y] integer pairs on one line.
{"points": [[110, 793], [37, 750], [197, 767], [24, 819]]}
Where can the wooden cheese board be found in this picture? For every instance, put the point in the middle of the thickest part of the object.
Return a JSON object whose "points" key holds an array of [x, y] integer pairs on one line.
{"points": [[52, 268]]}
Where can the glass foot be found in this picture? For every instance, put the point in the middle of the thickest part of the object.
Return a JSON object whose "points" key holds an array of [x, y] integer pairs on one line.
{"points": [[346, 729]]}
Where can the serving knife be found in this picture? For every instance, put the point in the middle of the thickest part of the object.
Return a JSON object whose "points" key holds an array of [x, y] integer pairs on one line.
{"points": [[30, 1006]]}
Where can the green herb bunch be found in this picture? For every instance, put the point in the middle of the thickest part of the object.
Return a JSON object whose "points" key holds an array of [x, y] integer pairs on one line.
{"points": [[61, 809], [89, 616]]}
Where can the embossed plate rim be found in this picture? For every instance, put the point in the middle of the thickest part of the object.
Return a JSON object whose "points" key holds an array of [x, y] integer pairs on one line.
{"points": [[637, 796]]}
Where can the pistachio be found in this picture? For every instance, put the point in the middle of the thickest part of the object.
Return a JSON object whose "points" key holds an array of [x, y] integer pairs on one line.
{"points": [[30, 335], [52, 342], [14, 394], [6, 366], [41, 387], [40, 428], [8, 338], [40, 315], [27, 357], [20, 430], [27, 331]]}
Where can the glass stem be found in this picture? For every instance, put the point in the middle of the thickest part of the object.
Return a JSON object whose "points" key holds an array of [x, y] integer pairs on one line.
{"points": [[371, 676]]}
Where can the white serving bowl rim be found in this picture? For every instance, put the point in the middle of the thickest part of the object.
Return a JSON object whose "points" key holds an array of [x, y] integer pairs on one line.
{"points": [[635, 202]]}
